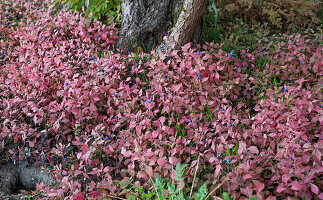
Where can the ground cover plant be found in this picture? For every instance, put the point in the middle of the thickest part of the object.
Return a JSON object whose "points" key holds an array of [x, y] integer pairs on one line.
{"points": [[237, 119]]}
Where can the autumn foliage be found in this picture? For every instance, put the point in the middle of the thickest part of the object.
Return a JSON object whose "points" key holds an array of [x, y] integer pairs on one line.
{"points": [[100, 116]]}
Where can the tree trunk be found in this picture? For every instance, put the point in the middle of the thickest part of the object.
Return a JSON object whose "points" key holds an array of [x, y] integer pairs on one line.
{"points": [[145, 21]]}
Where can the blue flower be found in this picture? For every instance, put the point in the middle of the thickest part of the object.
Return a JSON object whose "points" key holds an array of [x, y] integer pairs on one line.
{"points": [[285, 89], [106, 137], [322, 105], [228, 161], [300, 143], [164, 93], [231, 54], [115, 94], [163, 33], [95, 59], [128, 52], [228, 125], [148, 101], [65, 83], [96, 38], [164, 76], [222, 111], [64, 159], [198, 52], [167, 36], [200, 77], [155, 75], [190, 120], [59, 42], [4, 51], [321, 85], [219, 154], [302, 62], [116, 117], [257, 52], [308, 142], [238, 69], [81, 120]]}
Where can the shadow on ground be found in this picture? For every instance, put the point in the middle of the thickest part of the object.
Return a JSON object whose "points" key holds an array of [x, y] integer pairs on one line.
{"points": [[16, 180]]}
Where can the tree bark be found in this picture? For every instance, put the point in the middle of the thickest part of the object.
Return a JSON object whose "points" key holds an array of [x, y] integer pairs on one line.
{"points": [[145, 21]]}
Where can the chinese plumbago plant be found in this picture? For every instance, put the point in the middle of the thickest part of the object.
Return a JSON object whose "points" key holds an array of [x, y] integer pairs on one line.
{"points": [[245, 122]]}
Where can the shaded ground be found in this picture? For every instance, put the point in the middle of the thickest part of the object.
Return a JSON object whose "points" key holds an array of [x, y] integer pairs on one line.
{"points": [[18, 179]]}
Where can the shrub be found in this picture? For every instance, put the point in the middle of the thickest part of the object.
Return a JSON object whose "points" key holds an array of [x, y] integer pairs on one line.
{"points": [[107, 11], [282, 14], [101, 117]]}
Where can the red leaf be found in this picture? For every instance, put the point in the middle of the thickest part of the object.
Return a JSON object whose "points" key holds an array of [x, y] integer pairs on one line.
{"points": [[79, 197], [314, 189], [93, 194], [84, 148]]}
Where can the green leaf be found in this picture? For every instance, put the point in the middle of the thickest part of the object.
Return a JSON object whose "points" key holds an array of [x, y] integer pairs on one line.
{"points": [[180, 171], [159, 187], [226, 196], [202, 193]]}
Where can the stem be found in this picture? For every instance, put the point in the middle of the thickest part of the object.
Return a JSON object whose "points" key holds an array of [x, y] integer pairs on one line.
{"points": [[197, 166]]}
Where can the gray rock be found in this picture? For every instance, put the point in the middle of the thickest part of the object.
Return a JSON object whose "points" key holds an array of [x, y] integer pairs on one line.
{"points": [[8, 178]]}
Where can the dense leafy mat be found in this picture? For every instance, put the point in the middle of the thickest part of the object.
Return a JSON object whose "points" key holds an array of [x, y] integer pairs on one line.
{"points": [[248, 119]]}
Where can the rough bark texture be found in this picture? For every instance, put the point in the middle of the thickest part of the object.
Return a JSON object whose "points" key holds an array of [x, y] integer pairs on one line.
{"points": [[189, 25], [144, 21]]}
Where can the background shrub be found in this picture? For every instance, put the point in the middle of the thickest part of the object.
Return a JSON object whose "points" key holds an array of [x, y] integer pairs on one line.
{"points": [[106, 11], [282, 14]]}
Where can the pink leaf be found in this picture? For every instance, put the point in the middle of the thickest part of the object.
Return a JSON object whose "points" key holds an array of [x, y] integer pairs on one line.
{"points": [[142, 174], [154, 134], [259, 185], [247, 176], [314, 189], [218, 170], [92, 107], [246, 191], [161, 161], [253, 150], [125, 152], [296, 185], [280, 188]]}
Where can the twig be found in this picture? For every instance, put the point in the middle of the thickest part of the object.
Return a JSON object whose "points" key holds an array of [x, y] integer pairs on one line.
{"points": [[116, 197], [197, 166], [217, 187]]}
